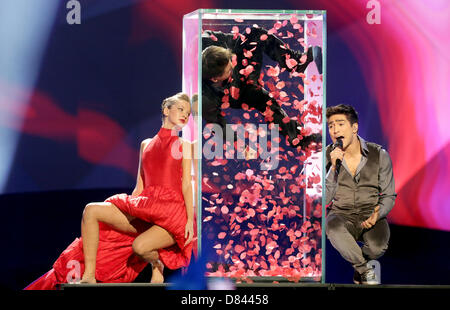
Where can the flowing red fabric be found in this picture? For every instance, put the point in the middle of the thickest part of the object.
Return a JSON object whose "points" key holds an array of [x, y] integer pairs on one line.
{"points": [[160, 203]]}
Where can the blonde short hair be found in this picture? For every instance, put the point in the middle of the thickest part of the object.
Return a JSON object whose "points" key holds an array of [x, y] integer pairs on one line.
{"points": [[170, 101]]}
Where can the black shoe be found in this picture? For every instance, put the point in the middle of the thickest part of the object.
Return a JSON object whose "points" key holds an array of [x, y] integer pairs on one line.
{"points": [[301, 67], [314, 53], [369, 277], [356, 277], [317, 56]]}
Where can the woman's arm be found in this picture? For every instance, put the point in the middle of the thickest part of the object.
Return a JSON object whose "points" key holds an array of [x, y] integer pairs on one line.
{"points": [[187, 189], [139, 183]]}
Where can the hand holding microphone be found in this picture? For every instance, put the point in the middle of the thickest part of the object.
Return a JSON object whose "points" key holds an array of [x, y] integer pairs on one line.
{"points": [[337, 155]]}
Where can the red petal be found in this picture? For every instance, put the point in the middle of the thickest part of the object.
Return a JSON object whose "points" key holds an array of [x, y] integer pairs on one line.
{"points": [[280, 85], [248, 54], [303, 58], [211, 209], [239, 248], [277, 254], [264, 265], [293, 19], [234, 60], [290, 63], [251, 212], [234, 92], [273, 71], [277, 25], [221, 235], [254, 232]]}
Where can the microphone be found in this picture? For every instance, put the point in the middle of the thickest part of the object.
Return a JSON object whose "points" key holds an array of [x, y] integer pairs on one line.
{"points": [[340, 144]]}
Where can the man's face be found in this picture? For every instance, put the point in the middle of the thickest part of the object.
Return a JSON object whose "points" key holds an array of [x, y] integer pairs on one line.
{"points": [[226, 73], [339, 126]]}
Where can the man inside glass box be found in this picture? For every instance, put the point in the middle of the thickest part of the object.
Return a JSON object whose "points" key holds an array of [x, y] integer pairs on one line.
{"points": [[238, 78]]}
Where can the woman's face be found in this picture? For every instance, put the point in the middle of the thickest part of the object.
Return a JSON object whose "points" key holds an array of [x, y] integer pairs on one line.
{"points": [[177, 114]]}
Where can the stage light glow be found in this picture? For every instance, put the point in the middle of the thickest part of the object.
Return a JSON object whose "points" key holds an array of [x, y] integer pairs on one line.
{"points": [[404, 61], [24, 31]]}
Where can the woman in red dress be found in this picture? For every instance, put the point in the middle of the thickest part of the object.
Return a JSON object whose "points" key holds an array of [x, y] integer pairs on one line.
{"points": [[155, 224]]}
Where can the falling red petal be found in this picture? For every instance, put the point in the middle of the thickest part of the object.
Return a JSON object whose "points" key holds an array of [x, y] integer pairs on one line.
{"points": [[234, 91], [277, 25], [234, 60], [239, 248], [293, 19], [224, 210], [221, 235]]}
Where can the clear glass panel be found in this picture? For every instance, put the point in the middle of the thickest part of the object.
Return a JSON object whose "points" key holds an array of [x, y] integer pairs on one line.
{"points": [[191, 79], [260, 196]]}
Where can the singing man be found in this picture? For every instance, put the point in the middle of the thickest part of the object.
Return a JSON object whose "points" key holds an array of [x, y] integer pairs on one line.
{"points": [[360, 187]]}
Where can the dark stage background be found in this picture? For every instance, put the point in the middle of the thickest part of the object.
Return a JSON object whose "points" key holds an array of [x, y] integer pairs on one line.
{"points": [[76, 100]]}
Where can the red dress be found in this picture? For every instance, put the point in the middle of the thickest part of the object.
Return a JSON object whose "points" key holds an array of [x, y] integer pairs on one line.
{"points": [[160, 203]]}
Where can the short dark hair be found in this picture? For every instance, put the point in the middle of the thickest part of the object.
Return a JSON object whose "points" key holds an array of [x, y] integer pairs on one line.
{"points": [[214, 61], [345, 109]]}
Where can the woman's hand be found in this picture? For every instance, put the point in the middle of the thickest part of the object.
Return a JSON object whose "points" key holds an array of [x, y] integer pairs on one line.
{"points": [[189, 231]]}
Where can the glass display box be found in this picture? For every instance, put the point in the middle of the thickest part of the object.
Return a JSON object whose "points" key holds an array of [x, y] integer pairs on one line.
{"points": [[258, 187]]}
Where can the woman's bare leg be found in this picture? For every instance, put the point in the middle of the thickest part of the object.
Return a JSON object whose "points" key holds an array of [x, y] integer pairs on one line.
{"points": [[146, 246], [99, 212], [157, 266]]}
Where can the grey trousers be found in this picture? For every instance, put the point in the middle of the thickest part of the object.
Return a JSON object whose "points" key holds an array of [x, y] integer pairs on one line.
{"points": [[344, 231]]}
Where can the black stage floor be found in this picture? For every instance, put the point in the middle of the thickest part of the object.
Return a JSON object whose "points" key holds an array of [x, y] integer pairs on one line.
{"points": [[279, 295], [243, 286], [276, 296]]}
